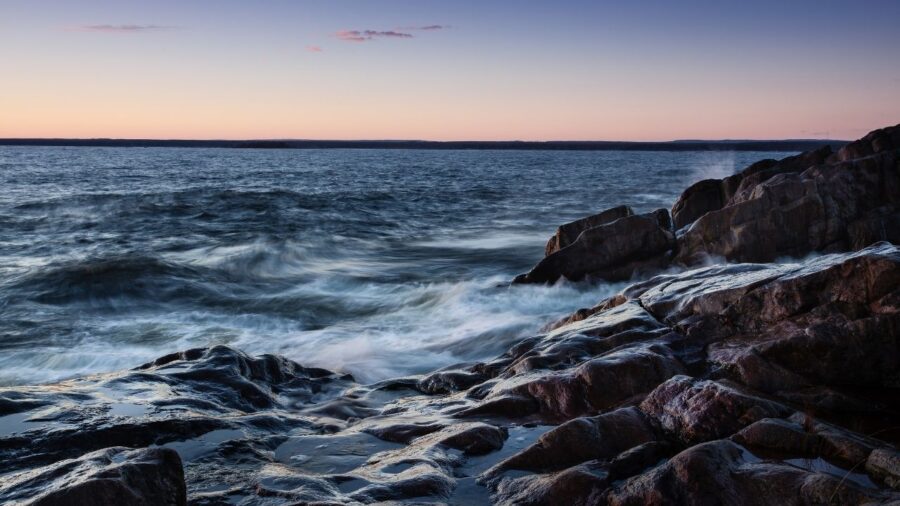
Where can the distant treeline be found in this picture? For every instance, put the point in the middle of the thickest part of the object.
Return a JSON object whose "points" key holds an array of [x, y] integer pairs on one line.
{"points": [[692, 145]]}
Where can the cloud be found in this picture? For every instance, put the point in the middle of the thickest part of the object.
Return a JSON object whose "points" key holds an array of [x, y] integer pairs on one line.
{"points": [[122, 28], [314, 49], [425, 28], [367, 35]]}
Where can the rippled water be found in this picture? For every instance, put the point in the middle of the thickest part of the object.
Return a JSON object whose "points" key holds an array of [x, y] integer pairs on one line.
{"points": [[375, 262]]}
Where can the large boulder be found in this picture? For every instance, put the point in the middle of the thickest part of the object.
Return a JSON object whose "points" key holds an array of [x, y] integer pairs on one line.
{"points": [[699, 198], [567, 234], [613, 251]]}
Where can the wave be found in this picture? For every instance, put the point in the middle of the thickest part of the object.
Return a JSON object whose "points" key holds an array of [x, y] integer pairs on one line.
{"points": [[111, 277], [263, 299]]}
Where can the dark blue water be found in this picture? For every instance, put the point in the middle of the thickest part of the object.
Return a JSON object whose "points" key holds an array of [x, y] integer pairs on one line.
{"points": [[379, 263]]}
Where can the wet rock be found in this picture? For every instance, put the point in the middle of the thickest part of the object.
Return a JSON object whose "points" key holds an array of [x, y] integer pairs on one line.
{"points": [[615, 251], [581, 440], [443, 382], [738, 186], [471, 438], [237, 381], [885, 464], [595, 334], [694, 410], [714, 194], [780, 435], [584, 484], [421, 484], [638, 459], [722, 472], [835, 206], [151, 477], [568, 233], [840, 310], [597, 384], [401, 432], [802, 436], [579, 485], [699, 199]]}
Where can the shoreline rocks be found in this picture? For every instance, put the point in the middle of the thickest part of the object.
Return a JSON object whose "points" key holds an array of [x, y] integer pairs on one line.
{"points": [[818, 201]]}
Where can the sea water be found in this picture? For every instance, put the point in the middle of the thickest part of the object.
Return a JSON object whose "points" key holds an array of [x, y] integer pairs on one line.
{"points": [[380, 263]]}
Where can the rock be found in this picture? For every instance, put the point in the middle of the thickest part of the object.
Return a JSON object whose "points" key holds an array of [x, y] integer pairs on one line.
{"points": [[471, 438], [401, 432], [443, 382], [803, 436], [581, 440], [694, 411], [795, 213], [615, 251], [568, 233], [576, 486], [776, 434], [739, 185], [700, 198], [238, 381], [597, 384], [151, 477], [885, 464], [582, 484], [877, 141], [722, 472], [713, 194], [824, 311]]}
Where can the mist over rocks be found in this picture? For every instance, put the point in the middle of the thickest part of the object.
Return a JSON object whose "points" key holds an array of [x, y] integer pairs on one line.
{"points": [[725, 383]]}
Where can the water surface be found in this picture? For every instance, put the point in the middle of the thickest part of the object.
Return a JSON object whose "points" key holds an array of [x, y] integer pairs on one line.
{"points": [[376, 262]]}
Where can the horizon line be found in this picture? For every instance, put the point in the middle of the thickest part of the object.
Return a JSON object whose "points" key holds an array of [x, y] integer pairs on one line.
{"points": [[787, 145], [301, 139]]}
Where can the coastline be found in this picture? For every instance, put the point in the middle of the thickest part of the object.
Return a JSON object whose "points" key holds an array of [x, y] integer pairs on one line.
{"points": [[704, 381]]}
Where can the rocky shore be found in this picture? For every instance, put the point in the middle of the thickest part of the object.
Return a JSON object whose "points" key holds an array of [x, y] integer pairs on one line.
{"points": [[754, 360]]}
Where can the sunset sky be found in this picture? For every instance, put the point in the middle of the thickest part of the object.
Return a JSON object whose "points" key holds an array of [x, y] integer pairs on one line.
{"points": [[448, 70]]}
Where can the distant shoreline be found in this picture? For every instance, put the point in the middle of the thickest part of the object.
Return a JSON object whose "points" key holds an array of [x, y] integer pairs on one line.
{"points": [[688, 145]]}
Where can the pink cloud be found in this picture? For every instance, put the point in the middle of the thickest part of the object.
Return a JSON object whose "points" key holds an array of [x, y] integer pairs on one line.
{"points": [[426, 27], [121, 28], [367, 35], [314, 49]]}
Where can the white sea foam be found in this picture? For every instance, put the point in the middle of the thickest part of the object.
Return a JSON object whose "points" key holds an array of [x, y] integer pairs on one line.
{"points": [[398, 330]]}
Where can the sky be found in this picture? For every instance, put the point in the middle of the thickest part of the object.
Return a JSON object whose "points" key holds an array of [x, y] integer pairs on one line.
{"points": [[449, 70]]}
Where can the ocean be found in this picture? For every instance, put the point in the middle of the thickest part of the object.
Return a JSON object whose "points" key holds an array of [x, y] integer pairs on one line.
{"points": [[379, 263]]}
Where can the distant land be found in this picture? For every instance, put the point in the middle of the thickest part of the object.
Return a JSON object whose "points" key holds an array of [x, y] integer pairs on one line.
{"points": [[681, 145]]}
